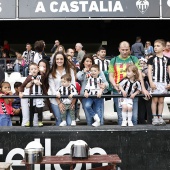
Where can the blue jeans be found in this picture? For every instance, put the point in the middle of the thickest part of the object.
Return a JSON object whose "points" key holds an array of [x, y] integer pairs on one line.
{"points": [[134, 111], [17, 67], [92, 106], [57, 115], [25, 70], [5, 120]]}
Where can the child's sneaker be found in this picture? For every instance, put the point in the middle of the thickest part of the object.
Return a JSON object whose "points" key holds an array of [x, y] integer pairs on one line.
{"points": [[124, 123], [73, 123], [63, 123], [155, 121], [27, 124], [161, 121], [40, 124], [130, 123]]}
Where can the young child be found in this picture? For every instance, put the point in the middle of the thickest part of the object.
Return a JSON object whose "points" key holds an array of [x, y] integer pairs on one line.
{"points": [[69, 89], [93, 88], [158, 70], [129, 86], [37, 88], [16, 104], [5, 105]]}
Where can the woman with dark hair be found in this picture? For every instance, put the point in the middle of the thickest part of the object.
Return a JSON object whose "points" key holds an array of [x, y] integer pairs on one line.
{"points": [[83, 76], [60, 66]]}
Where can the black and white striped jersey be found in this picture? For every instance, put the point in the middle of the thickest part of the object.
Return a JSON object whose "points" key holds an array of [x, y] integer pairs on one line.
{"points": [[36, 90], [103, 64], [130, 87], [92, 85], [28, 56], [159, 68], [67, 91]]}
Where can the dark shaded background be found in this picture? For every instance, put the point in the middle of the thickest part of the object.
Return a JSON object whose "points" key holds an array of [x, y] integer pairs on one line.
{"points": [[84, 31]]}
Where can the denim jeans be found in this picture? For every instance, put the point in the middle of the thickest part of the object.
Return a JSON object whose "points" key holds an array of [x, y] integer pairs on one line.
{"points": [[92, 106], [134, 111], [57, 115], [25, 70], [5, 120], [17, 67]]}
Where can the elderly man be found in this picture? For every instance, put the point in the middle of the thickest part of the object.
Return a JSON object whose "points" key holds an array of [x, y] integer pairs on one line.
{"points": [[81, 53]]}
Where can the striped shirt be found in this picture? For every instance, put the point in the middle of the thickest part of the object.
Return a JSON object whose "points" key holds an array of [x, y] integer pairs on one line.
{"points": [[92, 85], [159, 68], [28, 56], [36, 90], [67, 91], [130, 87], [103, 64]]}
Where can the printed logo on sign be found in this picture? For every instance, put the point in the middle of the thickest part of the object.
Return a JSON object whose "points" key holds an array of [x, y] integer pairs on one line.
{"points": [[142, 5], [168, 3]]}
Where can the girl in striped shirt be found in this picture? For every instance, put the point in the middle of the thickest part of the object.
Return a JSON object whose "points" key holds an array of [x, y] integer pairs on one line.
{"points": [[129, 87]]}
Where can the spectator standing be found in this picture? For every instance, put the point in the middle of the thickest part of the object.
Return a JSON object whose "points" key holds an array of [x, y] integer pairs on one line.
{"points": [[166, 52], [69, 89], [137, 48], [93, 105], [5, 105], [28, 56], [148, 48], [37, 88], [56, 44], [60, 67], [158, 70], [144, 104], [81, 53], [39, 49], [129, 86], [82, 76], [6, 47], [117, 71], [16, 104]]}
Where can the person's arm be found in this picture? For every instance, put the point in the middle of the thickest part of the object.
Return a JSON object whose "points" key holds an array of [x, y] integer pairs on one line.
{"points": [[112, 81], [152, 85]]}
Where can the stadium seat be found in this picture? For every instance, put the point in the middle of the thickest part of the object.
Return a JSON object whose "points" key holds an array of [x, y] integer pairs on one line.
{"points": [[15, 76]]}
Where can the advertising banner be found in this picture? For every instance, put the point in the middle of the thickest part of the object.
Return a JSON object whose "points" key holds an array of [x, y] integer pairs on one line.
{"points": [[7, 9], [89, 9]]}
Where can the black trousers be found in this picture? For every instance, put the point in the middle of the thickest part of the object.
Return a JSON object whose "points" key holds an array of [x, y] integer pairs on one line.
{"points": [[144, 111]]}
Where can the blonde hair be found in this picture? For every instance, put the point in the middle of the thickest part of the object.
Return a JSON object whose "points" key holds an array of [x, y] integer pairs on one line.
{"points": [[134, 69]]}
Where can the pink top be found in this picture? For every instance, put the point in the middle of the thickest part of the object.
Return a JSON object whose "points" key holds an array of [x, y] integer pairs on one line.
{"points": [[5, 108], [166, 54]]}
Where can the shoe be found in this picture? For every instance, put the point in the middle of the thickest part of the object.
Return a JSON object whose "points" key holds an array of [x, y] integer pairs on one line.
{"points": [[73, 123], [40, 124], [124, 123], [63, 123], [155, 121], [97, 120], [161, 121], [27, 124], [130, 123], [77, 120], [96, 124]]}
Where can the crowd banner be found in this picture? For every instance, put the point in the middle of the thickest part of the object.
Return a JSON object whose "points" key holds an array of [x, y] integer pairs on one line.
{"points": [[7, 9], [89, 9]]}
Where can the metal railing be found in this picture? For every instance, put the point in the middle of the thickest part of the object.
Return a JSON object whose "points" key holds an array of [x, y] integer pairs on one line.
{"points": [[31, 97]]}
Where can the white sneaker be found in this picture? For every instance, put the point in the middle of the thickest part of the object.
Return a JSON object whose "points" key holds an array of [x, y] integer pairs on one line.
{"points": [[130, 123], [124, 123], [96, 124], [77, 119], [96, 118], [161, 121], [63, 123], [73, 123], [155, 121]]}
